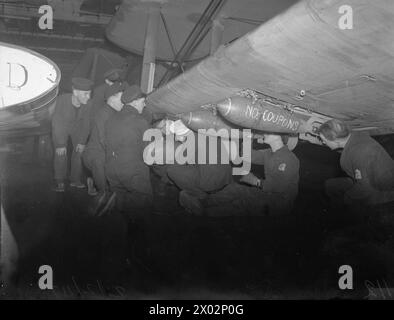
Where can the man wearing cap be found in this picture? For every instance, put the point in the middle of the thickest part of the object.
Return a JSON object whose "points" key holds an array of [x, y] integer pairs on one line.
{"points": [[195, 179], [275, 194], [369, 167], [94, 154], [111, 77], [71, 120], [125, 169], [127, 174]]}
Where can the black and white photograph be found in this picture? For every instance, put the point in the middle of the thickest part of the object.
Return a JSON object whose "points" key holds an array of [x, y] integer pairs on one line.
{"points": [[211, 151]]}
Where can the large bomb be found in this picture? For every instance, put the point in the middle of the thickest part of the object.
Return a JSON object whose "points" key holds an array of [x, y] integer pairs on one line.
{"points": [[261, 115], [206, 120]]}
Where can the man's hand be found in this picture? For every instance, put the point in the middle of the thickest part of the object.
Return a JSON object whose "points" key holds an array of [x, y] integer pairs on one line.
{"points": [[164, 125], [61, 151], [80, 148], [259, 137], [250, 179]]}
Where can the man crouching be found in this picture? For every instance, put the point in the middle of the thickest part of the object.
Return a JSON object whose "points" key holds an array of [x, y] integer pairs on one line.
{"points": [[274, 195]]}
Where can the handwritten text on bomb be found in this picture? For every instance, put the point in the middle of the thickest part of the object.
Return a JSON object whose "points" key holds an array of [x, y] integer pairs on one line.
{"points": [[258, 113]]}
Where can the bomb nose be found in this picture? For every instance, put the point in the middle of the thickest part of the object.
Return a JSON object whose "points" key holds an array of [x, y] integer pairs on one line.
{"points": [[186, 118], [224, 106]]}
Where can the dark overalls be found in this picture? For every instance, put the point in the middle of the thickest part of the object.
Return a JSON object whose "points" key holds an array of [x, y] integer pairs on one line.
{"points": [[94, 154], [125, 169], [277, 195], [201, 179], [69, 121], [371, 174], [128, 175]]}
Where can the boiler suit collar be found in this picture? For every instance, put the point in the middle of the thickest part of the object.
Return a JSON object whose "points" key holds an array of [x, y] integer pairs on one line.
{"points": [[130, 109], [355, 138]]}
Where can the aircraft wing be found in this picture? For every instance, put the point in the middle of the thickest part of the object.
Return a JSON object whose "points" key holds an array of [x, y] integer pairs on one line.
{"points": [[303, 58]]}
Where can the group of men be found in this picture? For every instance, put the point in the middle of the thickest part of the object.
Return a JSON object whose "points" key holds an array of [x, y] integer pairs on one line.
{"points": [[106, 136], [106, 133]]}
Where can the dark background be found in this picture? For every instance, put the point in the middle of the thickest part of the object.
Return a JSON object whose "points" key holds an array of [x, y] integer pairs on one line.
{"points": [[296, 256]]}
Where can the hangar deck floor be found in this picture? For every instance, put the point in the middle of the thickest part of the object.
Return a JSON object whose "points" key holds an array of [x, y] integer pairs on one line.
{"points": [[191, 257]]}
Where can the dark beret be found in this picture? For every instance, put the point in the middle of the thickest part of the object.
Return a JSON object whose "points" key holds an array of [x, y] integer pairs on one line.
{"points": [[114, 89], [113, 74], [132, 93], [82, 84]]}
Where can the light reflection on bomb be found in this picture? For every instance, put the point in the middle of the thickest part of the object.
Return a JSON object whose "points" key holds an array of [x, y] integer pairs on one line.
{"points": [[260, 115], [206, 122], [204, 119]]}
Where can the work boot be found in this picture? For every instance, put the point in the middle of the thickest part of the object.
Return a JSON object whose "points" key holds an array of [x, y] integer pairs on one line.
{"points": [[97, 204], [59, 187], [91, 189], [106, 204], [78, 185], [191, 203]]}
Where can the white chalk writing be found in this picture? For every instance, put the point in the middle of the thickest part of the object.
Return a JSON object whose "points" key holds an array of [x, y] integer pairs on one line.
{"points": [[266, 115]]}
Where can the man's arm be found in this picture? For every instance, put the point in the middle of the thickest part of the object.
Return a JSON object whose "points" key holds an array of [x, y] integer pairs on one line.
{"points": [[59, 126], [85, 123], [363, 167], [144, 126], [148, 115], [259, 156]]}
